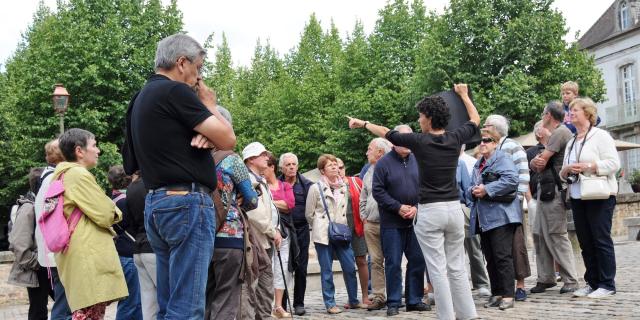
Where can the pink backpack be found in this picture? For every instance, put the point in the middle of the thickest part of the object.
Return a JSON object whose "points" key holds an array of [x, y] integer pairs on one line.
{"points": [[56, 229]]}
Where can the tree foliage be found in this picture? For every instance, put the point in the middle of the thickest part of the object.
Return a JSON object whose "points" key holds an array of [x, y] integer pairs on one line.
{"points": [[102, 51], [511, 52]]}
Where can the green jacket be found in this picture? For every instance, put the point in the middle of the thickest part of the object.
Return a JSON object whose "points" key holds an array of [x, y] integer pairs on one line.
{"points": [[90, 269]]}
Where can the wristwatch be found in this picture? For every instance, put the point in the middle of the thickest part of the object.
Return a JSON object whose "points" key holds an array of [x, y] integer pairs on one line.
{"points": [[365, 124]]}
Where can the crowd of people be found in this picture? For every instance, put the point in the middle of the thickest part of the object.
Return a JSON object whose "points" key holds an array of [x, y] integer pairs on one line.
{"points": [[193, 230]]}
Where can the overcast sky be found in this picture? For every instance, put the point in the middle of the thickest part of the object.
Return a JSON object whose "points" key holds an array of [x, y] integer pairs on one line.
{"points": [[279, 21]]}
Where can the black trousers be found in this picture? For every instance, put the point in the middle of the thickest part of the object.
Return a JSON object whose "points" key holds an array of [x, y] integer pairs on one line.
{"points": [[497, 246], [300, 273], [39, 296], [592, 219]]}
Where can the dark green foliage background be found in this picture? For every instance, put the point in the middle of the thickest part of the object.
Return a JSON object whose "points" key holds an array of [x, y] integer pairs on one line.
{"points": [[511, 52]]}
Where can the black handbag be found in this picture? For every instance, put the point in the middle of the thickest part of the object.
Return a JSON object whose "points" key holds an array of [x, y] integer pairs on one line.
{"points": [[488, 177], [339, 234]]}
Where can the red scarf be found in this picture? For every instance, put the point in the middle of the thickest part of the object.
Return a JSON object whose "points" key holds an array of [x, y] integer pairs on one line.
{"points": [[355, 186]]}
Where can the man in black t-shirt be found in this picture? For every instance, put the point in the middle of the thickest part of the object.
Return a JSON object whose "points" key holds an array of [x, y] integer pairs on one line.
{"points": [[171, 125], [439, 222]]}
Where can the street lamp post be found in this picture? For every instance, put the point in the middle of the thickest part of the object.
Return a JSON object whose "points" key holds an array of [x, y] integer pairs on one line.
{"points": [[60, 98]]}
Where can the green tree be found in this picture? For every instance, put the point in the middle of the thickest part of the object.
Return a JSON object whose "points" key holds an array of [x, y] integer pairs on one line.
{"points": [[511, 52], [102, 51]]}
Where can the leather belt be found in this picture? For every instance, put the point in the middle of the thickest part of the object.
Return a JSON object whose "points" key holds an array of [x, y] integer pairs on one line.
{"points": [[191, 187]]}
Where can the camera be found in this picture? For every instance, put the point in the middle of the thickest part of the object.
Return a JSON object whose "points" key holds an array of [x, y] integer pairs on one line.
{"points": [[572, 178]]}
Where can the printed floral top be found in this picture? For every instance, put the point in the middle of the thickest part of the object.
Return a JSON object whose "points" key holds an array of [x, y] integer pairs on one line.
{"points": [[234, 182]]}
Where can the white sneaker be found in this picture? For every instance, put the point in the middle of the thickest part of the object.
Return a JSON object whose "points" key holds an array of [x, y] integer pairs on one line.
{"points": [[583, 292], [484, 292], [601, 293]]}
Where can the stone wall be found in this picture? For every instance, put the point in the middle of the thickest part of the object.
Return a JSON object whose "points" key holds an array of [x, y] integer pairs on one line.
{"points": [[628, 205]]}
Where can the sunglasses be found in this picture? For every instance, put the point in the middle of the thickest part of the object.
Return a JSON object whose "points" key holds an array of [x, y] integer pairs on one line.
{"points": [[486, 140]]}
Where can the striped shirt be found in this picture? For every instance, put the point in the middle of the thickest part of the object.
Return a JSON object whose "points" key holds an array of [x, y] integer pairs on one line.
{"points": [[519, 157]]}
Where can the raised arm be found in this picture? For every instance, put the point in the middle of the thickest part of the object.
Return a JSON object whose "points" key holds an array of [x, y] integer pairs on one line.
{"points": [[463, 91], [379, 131]]}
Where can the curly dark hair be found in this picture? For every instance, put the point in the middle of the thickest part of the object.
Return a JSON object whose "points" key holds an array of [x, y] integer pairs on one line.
{"points": [[435, 108]]}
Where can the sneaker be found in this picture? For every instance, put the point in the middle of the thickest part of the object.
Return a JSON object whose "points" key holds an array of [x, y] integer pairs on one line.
{"points": [[334, 310], [583, 292], [392, 311], [521, 295], [484, 292], [542, 287], [279, 313], [601, 293]]}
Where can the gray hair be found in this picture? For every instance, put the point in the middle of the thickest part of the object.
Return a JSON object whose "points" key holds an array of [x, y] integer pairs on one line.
{"points": [[403, 126], [284, 156], [555, 110], [500, 123], [175, 46], [382, 144], [73, 138]]}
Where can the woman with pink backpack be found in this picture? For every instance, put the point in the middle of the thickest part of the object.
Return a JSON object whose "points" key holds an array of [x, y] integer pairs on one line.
{"points": [[89, 267]]}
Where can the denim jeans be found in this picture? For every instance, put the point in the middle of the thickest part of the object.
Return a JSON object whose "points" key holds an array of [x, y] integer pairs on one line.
{"points": [[130, 308], [592, 219], [60, 309], [348, 265], [180, 229], [395, 242]]}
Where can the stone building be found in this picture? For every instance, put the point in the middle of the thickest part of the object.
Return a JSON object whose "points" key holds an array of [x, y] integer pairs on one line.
{"points": [[614, 41]]}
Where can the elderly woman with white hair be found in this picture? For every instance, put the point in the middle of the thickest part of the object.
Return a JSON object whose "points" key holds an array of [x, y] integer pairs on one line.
{"points": [[515, 150]]}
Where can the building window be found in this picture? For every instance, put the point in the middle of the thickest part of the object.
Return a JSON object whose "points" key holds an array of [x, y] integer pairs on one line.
{"points": [[625, 16], [633, 156], [628, 77]]}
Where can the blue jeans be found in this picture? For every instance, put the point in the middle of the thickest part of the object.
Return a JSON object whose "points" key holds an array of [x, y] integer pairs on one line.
{"points": [[395, 242], [180, 229], [348, 265], [130, 308], [60, 309]]}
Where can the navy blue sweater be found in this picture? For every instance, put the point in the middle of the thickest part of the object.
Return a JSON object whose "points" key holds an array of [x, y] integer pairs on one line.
{"points": [[395, 182]]}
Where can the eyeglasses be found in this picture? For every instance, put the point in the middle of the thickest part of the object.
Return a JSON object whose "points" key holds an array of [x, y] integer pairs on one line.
{"points": [[341, 167], [486, 140], [486, 125]]}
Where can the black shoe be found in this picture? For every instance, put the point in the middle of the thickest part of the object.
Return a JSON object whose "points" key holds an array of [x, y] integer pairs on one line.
{"points": [[542, 287], [299, 310], [392, 311], [504, 304], [568, 289], [494, 301], [418, 307]]}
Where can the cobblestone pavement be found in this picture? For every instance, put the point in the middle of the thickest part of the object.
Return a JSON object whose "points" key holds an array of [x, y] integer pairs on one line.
{"points": [[549, 305]]}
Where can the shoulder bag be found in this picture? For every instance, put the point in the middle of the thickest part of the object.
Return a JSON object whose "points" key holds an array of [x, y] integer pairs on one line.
{"points": [[339, 234]]}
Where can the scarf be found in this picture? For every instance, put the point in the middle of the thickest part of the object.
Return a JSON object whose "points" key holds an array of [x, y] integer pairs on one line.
{"points": [[335, 186], [355, 186]]}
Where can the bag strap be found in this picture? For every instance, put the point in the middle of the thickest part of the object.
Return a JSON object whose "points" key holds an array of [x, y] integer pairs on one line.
{"points": [[324, 203]]}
